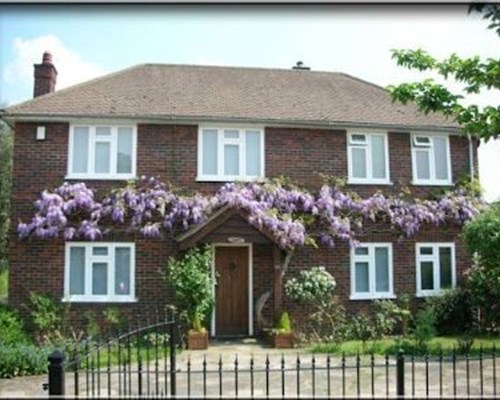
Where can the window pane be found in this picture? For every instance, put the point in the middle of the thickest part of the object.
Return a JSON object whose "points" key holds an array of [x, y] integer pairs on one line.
{"points": [[358, 162], [378, 157], [77, 270], [103, 131], [445, 267], [99, 251], [361, 251], [381, 269], [209, 152], [124, 156], [361, 280], [231, 159], [426, 251], [358, 138], [102, 153], [122, 270], [253, 160], [231, 134], [422, 161], [100, 278], [427, 275], [440, 158], [80, 149]]}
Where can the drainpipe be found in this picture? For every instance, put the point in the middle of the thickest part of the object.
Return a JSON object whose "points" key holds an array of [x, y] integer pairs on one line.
{"points": [[471, 159]]}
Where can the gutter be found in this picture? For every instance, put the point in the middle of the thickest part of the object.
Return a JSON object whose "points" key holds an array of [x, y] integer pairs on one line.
{"points": [[197, 120], [471, 159], [6, 120]]}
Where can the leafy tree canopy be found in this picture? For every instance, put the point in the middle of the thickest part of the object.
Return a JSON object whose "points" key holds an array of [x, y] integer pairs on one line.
{"points": [[473, 73]]}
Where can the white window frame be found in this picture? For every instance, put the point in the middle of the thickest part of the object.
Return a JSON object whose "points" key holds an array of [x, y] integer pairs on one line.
{"points": [[432, 181], [435, 269], [370, 258], [113, 139], [351, 144], [221, 141], [89, 259]]}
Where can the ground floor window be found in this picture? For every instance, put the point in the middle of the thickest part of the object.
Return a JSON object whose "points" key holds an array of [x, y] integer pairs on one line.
{"points": [[435, 268], [371, 271], [99, 272]]}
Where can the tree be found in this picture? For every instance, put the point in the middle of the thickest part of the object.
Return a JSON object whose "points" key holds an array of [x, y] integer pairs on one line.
{"points": [[5, 184], [475, 75]]}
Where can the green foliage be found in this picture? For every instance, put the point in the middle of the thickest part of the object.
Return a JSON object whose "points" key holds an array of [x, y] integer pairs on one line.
{"points": [[453, 311], [22, 359], [114, 318], [425, 327], [11, 327], [284, 324], [387, 317], [4, 282], [465, 344], [192, 282], [92, 328], [5, 185], [312, 286], [475, 75], [45, 313]]}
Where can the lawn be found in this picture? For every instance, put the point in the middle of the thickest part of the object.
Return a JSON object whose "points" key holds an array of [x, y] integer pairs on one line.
{"points": [[446, 344]]}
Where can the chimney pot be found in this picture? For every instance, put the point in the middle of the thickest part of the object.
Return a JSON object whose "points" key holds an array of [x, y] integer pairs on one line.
{"points": [[45, 76]]}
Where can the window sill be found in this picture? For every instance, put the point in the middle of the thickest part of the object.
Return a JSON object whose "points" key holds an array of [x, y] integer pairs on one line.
{"points": [[431, 183], [111, 299], [369, 182], [371, 296], [432, 293], [228, 179], [101, 177]]}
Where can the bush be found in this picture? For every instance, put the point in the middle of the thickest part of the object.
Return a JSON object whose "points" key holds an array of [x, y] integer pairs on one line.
{"points": [[284, 324], [425, 327], [387, 317], [361, 328], [312, 286], [453, 311], [22, 359], [11, 327]]}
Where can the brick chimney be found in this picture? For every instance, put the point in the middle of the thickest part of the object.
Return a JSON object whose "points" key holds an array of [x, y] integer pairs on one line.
{"points": [[45, 76]]}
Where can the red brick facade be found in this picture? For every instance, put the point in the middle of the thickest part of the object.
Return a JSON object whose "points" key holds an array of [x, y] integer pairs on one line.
{"points": [[170, 152]]}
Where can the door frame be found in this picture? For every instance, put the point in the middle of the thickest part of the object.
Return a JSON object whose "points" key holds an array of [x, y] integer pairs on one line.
{"points": [[249, 246]]}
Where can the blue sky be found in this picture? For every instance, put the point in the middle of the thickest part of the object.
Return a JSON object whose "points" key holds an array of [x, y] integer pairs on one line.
{"points": [[88, 41]]}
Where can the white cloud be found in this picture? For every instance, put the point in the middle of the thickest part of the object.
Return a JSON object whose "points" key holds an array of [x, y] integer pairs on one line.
{"points": [[70, 65]]}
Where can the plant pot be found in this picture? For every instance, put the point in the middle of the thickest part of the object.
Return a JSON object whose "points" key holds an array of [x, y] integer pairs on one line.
{"points": [[283, 340], [197, 340]]}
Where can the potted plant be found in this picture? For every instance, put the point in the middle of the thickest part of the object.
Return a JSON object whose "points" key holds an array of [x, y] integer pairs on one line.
{"points": [[282, 335], [193, 285]]}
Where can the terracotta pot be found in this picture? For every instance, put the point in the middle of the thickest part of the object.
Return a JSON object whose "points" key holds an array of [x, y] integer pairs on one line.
{"points": [[283, 340], [197, 340]]}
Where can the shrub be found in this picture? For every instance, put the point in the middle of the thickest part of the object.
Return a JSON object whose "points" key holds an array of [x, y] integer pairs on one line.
{"points": [[312, 286], [11, 327], [22, 359], [453, 311], [424, 329], [361, 328], [284, 324], [387, 317]]}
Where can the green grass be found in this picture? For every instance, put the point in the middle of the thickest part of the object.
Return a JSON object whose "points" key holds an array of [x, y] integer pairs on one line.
{"points": [[4, 282], [391, 346]]}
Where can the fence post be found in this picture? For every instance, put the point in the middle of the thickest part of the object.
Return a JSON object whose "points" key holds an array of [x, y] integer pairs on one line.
{"points": [[173, 366], [56, 373], [400, 374]]}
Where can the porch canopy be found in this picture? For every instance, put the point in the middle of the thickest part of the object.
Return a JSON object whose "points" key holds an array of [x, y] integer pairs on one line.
{"points": [[230, 225]]}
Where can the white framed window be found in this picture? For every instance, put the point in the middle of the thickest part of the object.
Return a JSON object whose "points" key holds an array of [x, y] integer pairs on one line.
{"points": [[435, 268], [229, 154], [102, 152], [368, 158], [371, 271], [99, 272], [431, 160]]}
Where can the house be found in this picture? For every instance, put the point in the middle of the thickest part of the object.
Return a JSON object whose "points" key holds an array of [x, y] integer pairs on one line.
{"points": [[200, 126]]}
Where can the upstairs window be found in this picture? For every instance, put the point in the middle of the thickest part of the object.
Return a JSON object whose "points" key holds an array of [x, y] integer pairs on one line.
{"points": [[102, 152], [431, 160], [371, 271], [368, 160], [435, 268], [229, 154], [99, 272]]}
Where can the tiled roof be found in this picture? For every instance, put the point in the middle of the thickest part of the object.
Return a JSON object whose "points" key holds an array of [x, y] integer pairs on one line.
{"points": [[230, 93]]}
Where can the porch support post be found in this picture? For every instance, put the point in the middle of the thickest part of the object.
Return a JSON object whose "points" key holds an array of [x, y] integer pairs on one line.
{"points": [[278, 282]]}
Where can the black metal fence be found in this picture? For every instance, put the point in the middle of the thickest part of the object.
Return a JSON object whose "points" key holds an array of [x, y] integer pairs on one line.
{"points": [[143, 363]]}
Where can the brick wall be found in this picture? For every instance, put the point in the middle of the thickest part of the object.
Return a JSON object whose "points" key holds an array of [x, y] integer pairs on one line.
{"points": [[170, 152]]}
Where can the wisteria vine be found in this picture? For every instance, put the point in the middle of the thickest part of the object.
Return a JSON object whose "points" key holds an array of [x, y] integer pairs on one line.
{"points": [[294, 216]]}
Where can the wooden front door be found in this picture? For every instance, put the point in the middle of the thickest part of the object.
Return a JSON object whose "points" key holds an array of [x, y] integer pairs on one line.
{"points": [[231, 291]]}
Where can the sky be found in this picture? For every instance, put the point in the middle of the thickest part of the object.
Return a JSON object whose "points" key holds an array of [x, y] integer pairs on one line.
{"points": [[89, 41]]}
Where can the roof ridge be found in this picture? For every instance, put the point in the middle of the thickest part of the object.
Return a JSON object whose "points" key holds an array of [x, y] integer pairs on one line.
{"points": [[73, 87], [364, 81]]}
